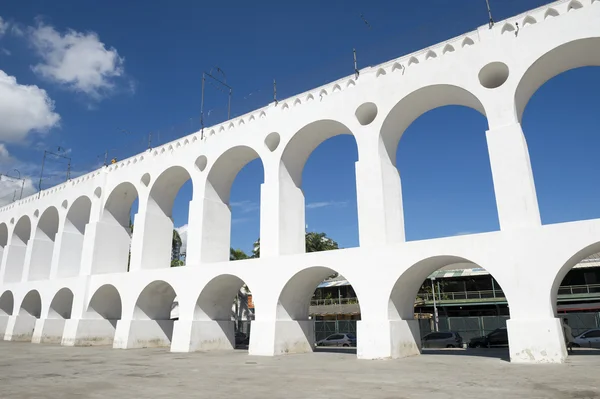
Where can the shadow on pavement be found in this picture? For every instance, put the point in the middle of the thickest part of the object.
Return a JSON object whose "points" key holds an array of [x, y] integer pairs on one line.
{"points": [[498, 353], [334, 349]]}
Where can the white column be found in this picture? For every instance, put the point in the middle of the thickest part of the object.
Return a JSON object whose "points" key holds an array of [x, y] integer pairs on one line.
{"points": [[203, 335], [151, 241], [379, 196], [194, 233], [281, 337], [282, 214], [60, 249], [388, 339], [513, 178]]}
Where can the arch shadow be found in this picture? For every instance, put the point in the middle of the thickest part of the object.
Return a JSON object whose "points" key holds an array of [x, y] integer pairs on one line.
{"points": [[154, 304], [7, 303], [61, 305], [78, 217], [224, 314], [31, 305], [114, 232], [43, 245], [216, 230], [15, 260], [158, 222]]}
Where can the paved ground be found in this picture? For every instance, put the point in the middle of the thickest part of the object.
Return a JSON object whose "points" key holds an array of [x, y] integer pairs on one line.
{"points": [[48, 371]]}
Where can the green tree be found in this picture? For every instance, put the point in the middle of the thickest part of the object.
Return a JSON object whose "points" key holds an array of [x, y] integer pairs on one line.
{"points": [[314, 242], [237, 254], [176, 250]]}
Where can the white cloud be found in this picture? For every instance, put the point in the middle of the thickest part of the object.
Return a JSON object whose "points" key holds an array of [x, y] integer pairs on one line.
{"points": [[183, 234], [3, 27], [23, 109], [245, 206], [77, 60], [10, 187], [323, 204], [5, 51]]}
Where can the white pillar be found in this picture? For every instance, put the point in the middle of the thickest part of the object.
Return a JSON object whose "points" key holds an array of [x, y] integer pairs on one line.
{"points": [[59, 248], [281, 337], [388, 339], [513, 178], [151, 241], [194, 233], [216, 231], [106, 248], [203, 335], [379, 198], [536, 340], [13, 261], [282, 215], [132, 334]]}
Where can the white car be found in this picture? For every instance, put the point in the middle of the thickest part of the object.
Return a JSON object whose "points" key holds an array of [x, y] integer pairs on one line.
{"points": [[588, 339]]}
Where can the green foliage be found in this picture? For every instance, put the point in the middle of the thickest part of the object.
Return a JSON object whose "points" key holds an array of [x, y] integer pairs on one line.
{"points": [[315, 242], [237, 254]]}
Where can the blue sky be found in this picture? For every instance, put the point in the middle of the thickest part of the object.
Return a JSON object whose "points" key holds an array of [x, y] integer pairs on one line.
{"points": [[116, 71]]}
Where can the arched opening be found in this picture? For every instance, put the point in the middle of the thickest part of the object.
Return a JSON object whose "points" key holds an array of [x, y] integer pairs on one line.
{"points": [[162, 245], [7, 303], [61, 305], [15, 260], [43, 245], [100, 319], [113, 241], [232, 204], [447, 186], [319, 190], [451, 302], [3, 238], [300, 315], [31, 305], [154, 306], [575, 298], [557, 105], [225, 303], [71, 249]]}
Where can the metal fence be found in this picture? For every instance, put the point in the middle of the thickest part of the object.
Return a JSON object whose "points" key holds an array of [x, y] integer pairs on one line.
{"points": [[324, 328], [467, 327]]}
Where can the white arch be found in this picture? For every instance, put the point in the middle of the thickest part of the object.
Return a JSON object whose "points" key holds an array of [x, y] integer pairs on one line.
{"points": [[7, 304], [216, 229], [294, 299], [105, 304], [61, 305], [78, 217], [43, 245], [113, 236], [415, 104], [157, 227], [31, 305], [15, 260], [575, 54], [216, 299]]}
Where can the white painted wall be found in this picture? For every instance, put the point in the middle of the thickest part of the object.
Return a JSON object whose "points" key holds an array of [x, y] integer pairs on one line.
{"points": [[67, 247]]}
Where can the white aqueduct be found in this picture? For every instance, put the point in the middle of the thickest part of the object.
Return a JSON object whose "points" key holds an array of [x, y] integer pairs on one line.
{"points": [[65, 250]]}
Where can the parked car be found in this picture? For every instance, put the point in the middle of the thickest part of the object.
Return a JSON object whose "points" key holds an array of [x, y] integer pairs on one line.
{"points": [[342, 339], [588, 339], [447, 339], [241, 338], [497, 338]]}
